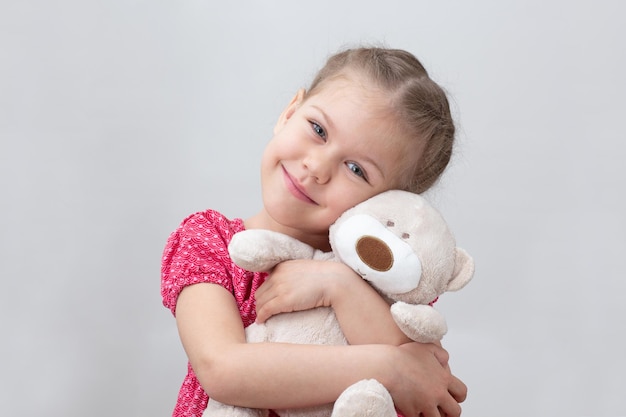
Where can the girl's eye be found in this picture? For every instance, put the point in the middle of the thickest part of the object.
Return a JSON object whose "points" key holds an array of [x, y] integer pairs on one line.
{"points": [[357, 170], [319, 130]]}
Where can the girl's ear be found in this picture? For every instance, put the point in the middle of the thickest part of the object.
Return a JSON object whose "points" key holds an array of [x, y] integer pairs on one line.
{"points": [[290, 109]]}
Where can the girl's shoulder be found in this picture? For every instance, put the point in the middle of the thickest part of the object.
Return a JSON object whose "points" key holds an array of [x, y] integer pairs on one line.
{"points": [[197, 251], [211, 222], [200, 237]]}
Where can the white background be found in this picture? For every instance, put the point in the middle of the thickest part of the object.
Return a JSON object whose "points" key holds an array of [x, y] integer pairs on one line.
{"points": [[119, 118]]}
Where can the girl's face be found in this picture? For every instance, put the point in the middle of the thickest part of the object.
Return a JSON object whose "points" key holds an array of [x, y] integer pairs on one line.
{"points": [[329, 152]]}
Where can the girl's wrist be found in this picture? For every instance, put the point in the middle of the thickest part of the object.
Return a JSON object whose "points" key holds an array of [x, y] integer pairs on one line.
{"points": [[390, 357], [343, 280]]}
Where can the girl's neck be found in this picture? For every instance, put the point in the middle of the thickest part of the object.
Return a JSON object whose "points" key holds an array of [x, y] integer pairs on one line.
{"points": [[262, 221]]}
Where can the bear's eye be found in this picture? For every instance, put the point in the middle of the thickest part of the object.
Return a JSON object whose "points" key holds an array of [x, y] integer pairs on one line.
{"points": [[405, 235], [390, 223]]}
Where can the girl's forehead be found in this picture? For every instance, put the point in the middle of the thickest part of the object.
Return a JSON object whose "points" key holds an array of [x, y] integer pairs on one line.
{"points": [[357, 105], [359, 98], [351, 84]]}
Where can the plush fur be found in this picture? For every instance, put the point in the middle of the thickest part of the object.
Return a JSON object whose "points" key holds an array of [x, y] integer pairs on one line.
{"points": [[397, 242]]}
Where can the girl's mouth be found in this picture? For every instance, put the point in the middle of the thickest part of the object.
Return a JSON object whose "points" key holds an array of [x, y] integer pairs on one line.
{"points": [[296, 189]]}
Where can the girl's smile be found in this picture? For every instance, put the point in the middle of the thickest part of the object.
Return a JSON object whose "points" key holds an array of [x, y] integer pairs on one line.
{"points": [[296, 189]]}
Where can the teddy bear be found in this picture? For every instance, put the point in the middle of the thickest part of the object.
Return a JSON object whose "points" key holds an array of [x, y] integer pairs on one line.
{"points": [[397, 242]]}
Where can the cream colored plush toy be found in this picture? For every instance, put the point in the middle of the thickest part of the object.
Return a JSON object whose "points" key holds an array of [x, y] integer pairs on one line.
{"points": [[397, 242]]}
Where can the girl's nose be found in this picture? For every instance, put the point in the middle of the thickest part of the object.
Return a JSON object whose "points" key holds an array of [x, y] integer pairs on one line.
{"points": [[318, 167]]}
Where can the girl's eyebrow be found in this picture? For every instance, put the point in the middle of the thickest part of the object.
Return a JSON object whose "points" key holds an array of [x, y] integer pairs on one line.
{"points": [[375, 164], [327, 120]]}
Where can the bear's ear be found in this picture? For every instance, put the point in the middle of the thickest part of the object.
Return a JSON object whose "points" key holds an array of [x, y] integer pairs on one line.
{"points": [[463, 270]]}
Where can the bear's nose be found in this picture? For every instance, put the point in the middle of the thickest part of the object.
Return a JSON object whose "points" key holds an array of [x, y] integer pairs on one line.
{"points": [[374, 253]]}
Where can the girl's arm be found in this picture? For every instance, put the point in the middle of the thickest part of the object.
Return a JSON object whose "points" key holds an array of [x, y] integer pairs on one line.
{"points": [[364, 316], [274, 375]]}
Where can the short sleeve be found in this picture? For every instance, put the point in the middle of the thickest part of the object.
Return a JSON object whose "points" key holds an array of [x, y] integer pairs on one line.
{"points": [[196, 252]]}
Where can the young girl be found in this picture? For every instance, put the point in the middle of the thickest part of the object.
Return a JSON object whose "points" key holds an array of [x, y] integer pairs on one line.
{"points": [[371, 121]]}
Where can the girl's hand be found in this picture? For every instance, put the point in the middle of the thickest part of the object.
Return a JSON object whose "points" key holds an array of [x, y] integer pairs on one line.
{"points": [[424, 385], [299, 285]]}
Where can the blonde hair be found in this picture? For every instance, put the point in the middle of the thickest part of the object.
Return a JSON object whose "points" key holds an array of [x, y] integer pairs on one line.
{"points": [[420, 103]]}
